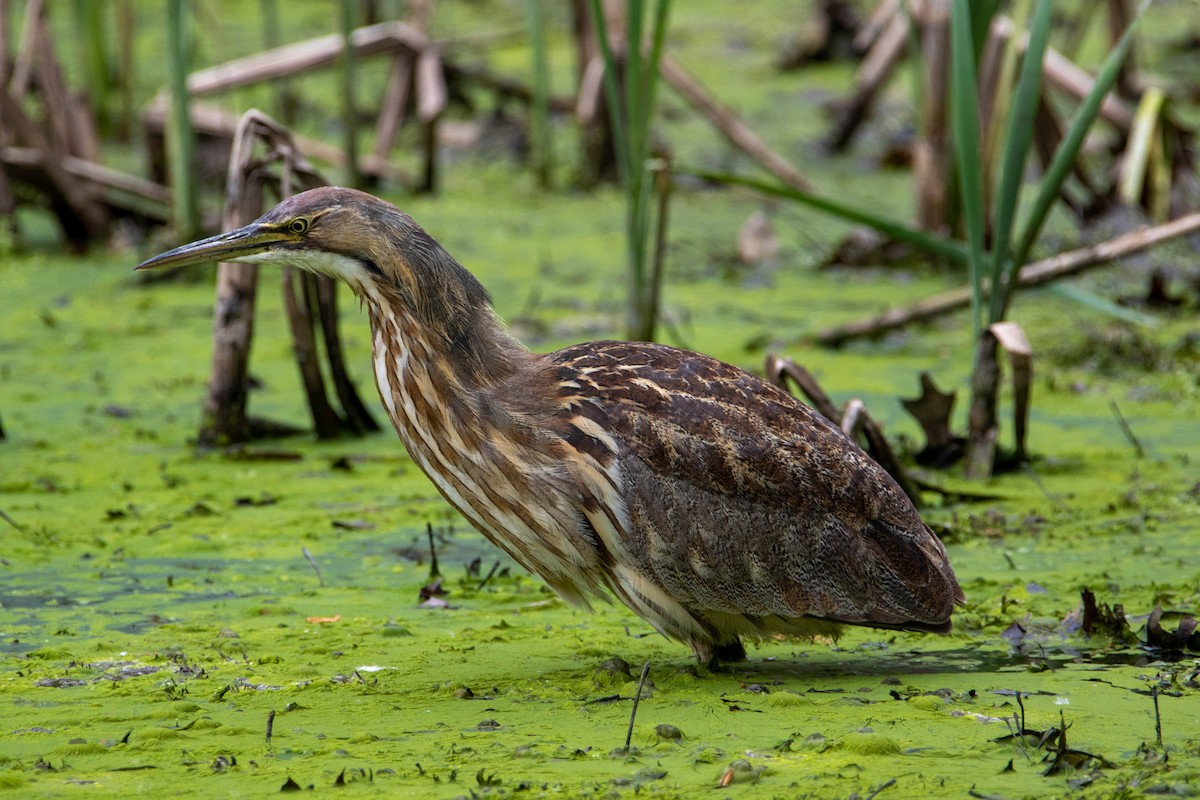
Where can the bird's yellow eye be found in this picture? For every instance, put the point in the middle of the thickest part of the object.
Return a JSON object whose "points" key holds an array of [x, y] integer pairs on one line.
{"points": [[298, 226]]}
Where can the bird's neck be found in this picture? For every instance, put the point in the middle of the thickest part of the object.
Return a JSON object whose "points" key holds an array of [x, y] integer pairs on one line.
{"points": [[472, 416], [471, 357]]}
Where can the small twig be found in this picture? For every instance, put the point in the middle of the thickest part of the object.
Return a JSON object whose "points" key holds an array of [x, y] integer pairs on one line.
{"points": [[890, 783], [434, 571], [4, 516], [637, 698], [1037, 481], [1021, 705], [1138, 450], [1157, 717], [488, 577], [270, 724], [1018, 734], [313, 561]]}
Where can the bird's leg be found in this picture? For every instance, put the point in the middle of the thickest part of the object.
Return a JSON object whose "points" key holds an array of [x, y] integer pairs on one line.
{"points": [[730, 650], [712, 654]]}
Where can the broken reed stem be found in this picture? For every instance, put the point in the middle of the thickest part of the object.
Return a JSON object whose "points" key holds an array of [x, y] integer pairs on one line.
{"points": [[434, 571], [1138, 450], [779, 369], [316, 569], [1021, 705], [637, 698], [270, 724]]}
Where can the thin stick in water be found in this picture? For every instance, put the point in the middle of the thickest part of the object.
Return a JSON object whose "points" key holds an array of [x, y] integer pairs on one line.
{"points": [[1037, 481], [637, 698], [270, 724], [434, 571], [4, 516], [313, 561], [1138, 450], [488, 577], [1157, 717], [886, 785]]}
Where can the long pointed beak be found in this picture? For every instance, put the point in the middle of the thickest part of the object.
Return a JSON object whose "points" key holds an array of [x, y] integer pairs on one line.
{"points": [[251, 240]]}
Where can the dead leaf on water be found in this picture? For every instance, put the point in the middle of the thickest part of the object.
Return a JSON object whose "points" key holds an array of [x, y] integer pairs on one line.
{"points": [[1184, 637]]}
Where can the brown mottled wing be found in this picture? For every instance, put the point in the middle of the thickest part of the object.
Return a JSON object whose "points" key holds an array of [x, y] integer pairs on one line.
{"points": [[743, 500]]}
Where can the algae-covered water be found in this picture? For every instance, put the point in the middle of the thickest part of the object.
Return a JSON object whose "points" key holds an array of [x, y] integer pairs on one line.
{"points": [[237, 624], [159, 615]]}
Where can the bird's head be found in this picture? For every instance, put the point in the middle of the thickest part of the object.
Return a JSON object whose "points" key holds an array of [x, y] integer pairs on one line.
{"points": [[354, 237], [385, 257]]}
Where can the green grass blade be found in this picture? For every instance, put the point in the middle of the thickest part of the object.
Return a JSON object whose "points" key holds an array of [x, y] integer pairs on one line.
{"points": [[539, 117], [982, 14], [964, 121], [950, 249], [634, 85], [613, 93], [1017, 139], [1103, 305], [658, 39], [1068, 149], [641, 119], [1140, 145], [917, 67], [631, 111], [181, 136]]}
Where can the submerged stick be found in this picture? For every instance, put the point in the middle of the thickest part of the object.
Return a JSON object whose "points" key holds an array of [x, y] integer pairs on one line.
{"points": [[316, 569], [4, 516], [1138, 450], [1053, 498], [637, 698]]}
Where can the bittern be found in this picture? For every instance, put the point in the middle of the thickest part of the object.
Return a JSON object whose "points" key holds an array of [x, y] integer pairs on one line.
{"points": [[710, 502]]}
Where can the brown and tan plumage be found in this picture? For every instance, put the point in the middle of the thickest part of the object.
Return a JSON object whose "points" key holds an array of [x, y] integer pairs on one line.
{"points": [[711, 503]]}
